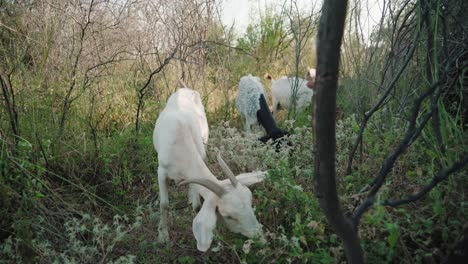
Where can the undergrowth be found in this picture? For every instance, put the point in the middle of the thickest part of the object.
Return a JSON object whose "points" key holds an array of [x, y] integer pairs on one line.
{"points": [[104, 208]]}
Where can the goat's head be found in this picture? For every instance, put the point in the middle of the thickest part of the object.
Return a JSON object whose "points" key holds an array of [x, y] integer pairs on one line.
{"points": [[236, 206], [232, 200], [279, 138], [310, 77]]}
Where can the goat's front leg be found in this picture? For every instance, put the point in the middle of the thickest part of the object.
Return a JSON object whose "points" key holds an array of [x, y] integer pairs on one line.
{"points": [[194, 197], [274, 106], [163, 235], [248, 126]]}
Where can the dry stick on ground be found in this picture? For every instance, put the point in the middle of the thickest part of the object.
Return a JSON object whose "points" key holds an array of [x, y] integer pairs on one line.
{"points": [[330, 36]]}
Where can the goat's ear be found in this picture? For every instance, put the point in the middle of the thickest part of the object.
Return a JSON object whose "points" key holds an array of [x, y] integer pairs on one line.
{"points": [[251, 178], [204, 224], [182, 84]]}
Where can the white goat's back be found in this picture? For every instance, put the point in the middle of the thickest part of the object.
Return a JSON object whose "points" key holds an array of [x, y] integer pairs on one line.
{"points": [[282, 90], [181, 129], [188, 100], [247, 101]]}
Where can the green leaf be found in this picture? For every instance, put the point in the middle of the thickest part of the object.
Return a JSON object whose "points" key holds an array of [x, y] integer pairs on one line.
{"points": [[39, 195], [393, 230]]}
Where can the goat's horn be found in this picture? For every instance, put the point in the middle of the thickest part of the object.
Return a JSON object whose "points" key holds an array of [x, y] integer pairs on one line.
{"points": [[182, 84], [227, 170], [210, 185]]}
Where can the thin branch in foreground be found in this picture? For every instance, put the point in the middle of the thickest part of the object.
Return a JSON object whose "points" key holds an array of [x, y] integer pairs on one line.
{"points": [[141, 91], [411, 134], [158, 69], [377, 106], [441, 176]]}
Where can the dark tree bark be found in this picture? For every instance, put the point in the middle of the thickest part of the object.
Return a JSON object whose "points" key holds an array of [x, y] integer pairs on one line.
{"points": [[10, 105], [328, 56]]}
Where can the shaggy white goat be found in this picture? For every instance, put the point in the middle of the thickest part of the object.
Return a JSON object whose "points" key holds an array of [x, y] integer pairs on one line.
{"points": [[252, 105], [178, 138], [247, 100], [282, 91]]}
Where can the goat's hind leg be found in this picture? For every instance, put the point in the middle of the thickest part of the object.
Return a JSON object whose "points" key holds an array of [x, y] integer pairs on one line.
{"points": [[163, 233]]}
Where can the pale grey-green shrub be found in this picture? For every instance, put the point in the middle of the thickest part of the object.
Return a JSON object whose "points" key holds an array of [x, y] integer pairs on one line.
{"points": [[85, 240]]}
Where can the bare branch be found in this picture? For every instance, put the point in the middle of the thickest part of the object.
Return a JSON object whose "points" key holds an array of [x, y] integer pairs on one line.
{"points": [[379, 104], [141, 91], [411, 134], [441, 176]]}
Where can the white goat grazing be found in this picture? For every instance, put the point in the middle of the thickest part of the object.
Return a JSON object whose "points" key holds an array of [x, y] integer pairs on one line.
{"points": [[282, 91], [178, 138], [247, 100]]}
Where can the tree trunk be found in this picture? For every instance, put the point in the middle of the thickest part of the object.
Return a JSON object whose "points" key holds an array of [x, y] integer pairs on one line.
{"points": [[328, 55]]}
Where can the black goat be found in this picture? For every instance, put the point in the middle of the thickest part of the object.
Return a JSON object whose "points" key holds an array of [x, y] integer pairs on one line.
{"points": [[265, 118]]}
